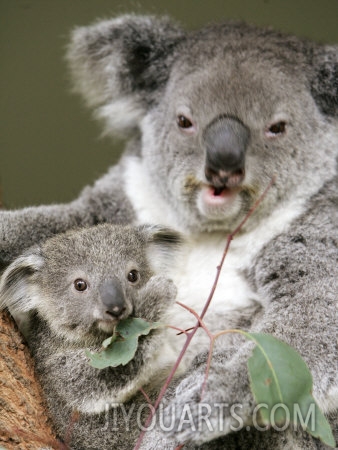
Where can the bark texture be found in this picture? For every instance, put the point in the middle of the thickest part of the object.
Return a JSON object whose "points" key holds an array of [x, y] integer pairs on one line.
{"points": [[24, 422]]}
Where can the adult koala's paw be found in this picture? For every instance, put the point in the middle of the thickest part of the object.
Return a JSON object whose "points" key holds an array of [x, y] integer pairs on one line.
{"points": [[226, 405], [155, 438]]}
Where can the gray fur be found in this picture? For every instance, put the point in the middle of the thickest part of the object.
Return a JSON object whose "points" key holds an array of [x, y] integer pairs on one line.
{"points": [[64, 322], [274, 98]]}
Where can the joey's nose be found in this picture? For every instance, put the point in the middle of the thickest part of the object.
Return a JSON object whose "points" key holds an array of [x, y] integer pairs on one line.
{"points": [[112, 297], [226, 140]]}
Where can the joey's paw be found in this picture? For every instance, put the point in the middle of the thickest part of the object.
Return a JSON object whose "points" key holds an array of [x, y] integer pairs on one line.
{"points": [[160, 288], [163, 286], [154, 298]]}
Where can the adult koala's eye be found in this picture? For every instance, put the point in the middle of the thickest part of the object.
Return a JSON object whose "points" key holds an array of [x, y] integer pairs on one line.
{"points": [[277, 128], [183, 122], [133, 276], [80, 285]]}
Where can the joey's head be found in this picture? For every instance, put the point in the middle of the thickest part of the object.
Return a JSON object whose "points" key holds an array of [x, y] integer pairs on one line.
{"points": [[221, 111], [82, 283]]}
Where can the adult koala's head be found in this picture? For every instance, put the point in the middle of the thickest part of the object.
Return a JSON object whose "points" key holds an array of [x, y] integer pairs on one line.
{"points": [[221, 111]]}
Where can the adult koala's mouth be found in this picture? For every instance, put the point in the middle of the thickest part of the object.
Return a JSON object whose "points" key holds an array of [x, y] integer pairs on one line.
{"points": [[218, 187], [221, 195], [223, 179], [223, 182]]}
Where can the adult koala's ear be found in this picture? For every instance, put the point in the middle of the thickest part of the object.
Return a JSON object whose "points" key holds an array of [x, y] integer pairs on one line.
{"points": [[324, 79], [18, 292], [163, 245], [120, 65]]}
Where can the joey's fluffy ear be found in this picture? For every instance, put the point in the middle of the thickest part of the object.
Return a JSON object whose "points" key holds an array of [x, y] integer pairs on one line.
{"points": [[120, 65], [163, 244], [18, 293], [324, 82]]}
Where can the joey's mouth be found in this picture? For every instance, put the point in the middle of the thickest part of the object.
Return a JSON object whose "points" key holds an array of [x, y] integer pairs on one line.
{"points": [[108, 326], [110, 321]]}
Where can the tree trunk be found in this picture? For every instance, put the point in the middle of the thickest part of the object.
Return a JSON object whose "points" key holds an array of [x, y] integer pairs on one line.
{"points": [[24, 422]]}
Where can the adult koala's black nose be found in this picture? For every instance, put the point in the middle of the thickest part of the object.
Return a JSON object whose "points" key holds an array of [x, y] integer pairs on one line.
{"points": [[113, 298], [226, 140]]}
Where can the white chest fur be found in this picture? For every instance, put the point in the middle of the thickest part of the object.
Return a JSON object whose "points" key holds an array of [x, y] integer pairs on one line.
{"points": [[195, 270], [194, 275]]}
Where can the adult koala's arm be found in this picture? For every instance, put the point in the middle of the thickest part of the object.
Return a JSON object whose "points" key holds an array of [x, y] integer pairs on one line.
{"points": [[296, 276], [105, 201]]}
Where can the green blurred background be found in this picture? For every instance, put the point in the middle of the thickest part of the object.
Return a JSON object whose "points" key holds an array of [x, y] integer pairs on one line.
{"points": [[49, 144]]}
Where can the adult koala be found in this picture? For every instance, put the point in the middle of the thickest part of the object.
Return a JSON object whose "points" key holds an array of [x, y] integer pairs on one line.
{"points": [[214, 115]]}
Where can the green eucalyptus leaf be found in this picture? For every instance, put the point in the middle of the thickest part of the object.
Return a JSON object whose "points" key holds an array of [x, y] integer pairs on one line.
{"points": [[107, 342], [135, 326], [281, 381], [120, 348]]}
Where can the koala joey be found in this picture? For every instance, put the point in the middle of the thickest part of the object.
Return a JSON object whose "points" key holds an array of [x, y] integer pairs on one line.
{"points": [[76, 287], [213, 115]]}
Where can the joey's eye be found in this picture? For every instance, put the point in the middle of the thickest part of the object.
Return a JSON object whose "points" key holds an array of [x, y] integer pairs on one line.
{"points": [[277, 128], [80, 285], [133, 276], [183, 122]]}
